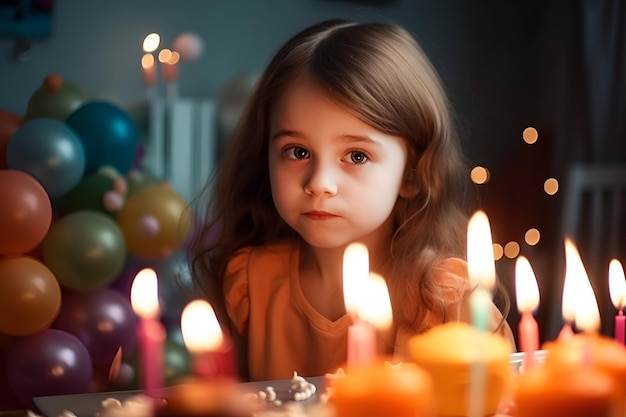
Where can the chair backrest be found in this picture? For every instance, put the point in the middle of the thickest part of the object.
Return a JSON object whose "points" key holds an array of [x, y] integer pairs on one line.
{"points": [[594, 216]]}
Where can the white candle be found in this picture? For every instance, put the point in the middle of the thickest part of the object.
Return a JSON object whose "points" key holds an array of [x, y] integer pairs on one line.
{"points": [[150, 331]]}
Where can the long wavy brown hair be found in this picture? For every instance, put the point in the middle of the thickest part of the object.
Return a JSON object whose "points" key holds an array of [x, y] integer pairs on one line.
{"points": [[381, 74]]}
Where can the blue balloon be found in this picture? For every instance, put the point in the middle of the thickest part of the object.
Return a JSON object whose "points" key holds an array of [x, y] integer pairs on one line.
{"points": [[51, 152], [109, 135]]}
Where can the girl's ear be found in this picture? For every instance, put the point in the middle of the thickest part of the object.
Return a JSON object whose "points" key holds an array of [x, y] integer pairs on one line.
{"points": [[409, 188]]}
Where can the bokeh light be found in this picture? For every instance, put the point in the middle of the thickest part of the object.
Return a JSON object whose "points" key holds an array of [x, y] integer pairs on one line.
{"points": [[511, 249], [530, 135], [479, 175], [551, 186], [532, 236], [497, 251]]}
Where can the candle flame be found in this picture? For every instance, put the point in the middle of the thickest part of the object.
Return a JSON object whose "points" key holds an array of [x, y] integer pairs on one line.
{"points": [[578, 295], [147, 61], [164, 55], [144, 294], [200, 328], [374, 302], [355, 273], [526, 288], [617, 284], [151, 42], [173, 58], [480, 261]]}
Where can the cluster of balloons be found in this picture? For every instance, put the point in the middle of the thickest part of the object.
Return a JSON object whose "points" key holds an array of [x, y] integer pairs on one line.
{"points": [[78, 220]]}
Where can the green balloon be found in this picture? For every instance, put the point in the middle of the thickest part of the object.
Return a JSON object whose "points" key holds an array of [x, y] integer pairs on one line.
{"points": [[88, 194], [85, 250], [55, 100]]}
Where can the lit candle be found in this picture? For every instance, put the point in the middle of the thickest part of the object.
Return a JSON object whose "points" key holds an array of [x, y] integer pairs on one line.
{"points": [[481, 268], [203, 337], [148, 64], [367, 300], [361, 334], [585, 306], [527, 293], [150, 332], [148, 70], [617, 289], [482, 275], [169, 60]]}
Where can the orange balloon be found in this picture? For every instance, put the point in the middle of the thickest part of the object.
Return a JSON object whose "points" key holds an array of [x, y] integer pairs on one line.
{"points": [[30, 296], [9, 123], [154, 222], [25, 212]]}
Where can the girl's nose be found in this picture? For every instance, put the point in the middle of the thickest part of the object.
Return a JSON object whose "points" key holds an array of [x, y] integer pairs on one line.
{"points": [[321, 181]]}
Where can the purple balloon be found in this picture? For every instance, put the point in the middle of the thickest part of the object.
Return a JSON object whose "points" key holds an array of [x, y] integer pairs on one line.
{"points": [[102, 320], [51, 362]]}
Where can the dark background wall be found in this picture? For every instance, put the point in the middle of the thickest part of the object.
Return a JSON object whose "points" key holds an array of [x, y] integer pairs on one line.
{"points": [[507, 65]]}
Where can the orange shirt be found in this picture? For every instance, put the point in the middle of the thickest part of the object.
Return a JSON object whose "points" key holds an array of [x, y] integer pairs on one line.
{"points": [[285, 334]]}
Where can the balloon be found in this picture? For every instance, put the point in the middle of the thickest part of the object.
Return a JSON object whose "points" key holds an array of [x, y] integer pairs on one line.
{"points": [[136, 219], [138, 180], [108, 133], [9, 123], [85, 250], [51, 362], [51, 152], [25, 212], [55, 99], [103, 320], [189, 46], [30, 296], [89, 194]]}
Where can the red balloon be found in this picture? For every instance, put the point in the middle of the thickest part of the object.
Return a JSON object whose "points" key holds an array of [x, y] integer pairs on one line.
{"points": [[9, 123], [25, 212]]}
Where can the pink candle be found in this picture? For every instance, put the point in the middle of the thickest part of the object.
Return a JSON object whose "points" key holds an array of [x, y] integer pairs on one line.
{"points": [[527, 293], [150, 331], [212, 353], [617, 289], [361, 343], [367, 300]]}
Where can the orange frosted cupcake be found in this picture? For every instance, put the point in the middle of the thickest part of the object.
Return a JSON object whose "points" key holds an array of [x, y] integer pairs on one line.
{"points": [[447, 353]]}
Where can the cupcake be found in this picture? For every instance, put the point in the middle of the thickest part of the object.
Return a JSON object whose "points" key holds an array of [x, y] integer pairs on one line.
{"points": [[448, 352]]}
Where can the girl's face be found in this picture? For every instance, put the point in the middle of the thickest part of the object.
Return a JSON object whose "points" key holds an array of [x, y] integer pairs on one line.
{"points": [[334, 179]]}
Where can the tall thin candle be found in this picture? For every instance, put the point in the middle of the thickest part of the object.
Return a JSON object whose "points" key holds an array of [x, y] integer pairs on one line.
{"points": [[617, 289], [527, 296], [482, 275], [367, 300], [150, 331]]}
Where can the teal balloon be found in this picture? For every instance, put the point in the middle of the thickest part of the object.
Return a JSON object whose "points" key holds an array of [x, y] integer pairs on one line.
{"points": [[51, 152], [85, 250], [109, 135]]}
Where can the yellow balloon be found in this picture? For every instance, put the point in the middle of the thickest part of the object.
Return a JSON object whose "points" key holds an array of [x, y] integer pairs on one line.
{"points": [[154, 222]]}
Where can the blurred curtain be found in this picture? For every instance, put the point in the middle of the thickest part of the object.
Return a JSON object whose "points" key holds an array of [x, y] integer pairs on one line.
{"points": [[591, 122]]}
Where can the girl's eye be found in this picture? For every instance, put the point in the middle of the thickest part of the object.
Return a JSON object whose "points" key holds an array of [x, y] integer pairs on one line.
{"points": [[297, 152], [356, 157]]}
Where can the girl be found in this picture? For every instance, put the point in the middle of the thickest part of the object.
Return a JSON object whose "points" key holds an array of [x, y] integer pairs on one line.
{"points": [[347, 137]]}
